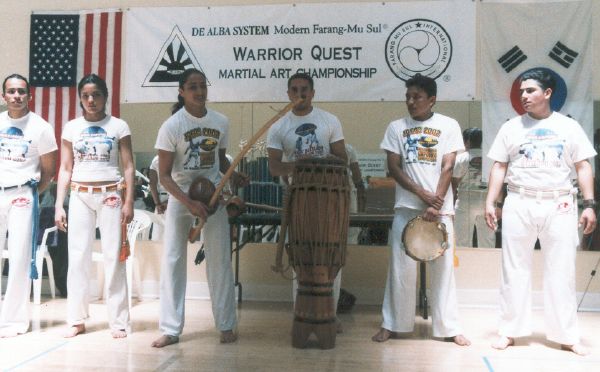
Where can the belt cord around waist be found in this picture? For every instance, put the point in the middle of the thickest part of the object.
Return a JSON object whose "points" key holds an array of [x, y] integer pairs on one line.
{"points": [[35, 212], [540, 194]]}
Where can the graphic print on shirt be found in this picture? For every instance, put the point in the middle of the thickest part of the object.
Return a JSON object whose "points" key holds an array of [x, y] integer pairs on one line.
{"points": [[13, 145], [543, 149], [420, 144], [202, 148], [307, 144], [93, 144]]}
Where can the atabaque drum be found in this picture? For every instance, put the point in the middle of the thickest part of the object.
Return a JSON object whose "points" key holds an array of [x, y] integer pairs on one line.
{"points": [[424, 240], [318, 218]]}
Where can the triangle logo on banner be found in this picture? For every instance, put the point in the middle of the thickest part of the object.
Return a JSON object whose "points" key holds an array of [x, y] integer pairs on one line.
{"points": [[174, 58]]}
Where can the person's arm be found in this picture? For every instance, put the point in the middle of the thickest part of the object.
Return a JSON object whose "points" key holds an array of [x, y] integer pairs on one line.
{"points": [[277, 166], [160, 205], [454, 183], [47, 170], [497, 174], [128, 168], [165, 167], [585, 179], [361, 194], [338, 149], [432, 212], [395, 168], [62, 184]]}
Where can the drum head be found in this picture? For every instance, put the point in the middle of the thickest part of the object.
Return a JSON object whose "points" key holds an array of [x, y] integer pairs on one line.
{"points": [[424, 240]]}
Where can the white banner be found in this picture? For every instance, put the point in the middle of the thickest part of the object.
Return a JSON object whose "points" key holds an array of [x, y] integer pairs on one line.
{"points": [[355, 52], [518, 37]]}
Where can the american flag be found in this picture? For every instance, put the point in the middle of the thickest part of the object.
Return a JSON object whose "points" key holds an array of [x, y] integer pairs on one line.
{"points": [[63, 48]]}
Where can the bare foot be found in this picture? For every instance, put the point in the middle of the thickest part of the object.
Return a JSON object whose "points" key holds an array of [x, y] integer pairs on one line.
{"points": [[119, 333], [6, 333], [74, 330], [503, 342], [228, 337], [577, 349], [382, 336], [165, 340], [461, 340]]}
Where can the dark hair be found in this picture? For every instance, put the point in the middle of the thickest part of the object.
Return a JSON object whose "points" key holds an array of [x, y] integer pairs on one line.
{"points": [[14, 76], [543, 77], [424, 82], [93, 79], [182, 80], [474, 136], [304, 76]]}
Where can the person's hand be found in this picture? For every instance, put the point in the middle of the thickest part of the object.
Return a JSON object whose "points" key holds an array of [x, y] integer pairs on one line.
{"points": [[198, 209], [161, 207], [126, 213], [432, 199], [60, 219], [588, 221], [492, 215], [239, 179], [431, 214]]}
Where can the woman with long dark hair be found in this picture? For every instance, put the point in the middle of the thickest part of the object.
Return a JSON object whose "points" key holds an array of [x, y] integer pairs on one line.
{"points": [[97, 165], [192, 143]]}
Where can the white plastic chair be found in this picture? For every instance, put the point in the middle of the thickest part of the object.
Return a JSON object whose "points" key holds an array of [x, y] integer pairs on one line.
{"points": [[141, 221], [42, 254]]}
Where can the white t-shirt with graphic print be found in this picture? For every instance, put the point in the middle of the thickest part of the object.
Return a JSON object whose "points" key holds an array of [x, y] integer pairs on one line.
{"points": [[196, 143], [95, 148], [307, 136], [22, 142], [422, 144], [541, 153]]}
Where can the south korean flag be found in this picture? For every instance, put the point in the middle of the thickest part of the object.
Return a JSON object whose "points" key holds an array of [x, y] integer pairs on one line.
{"points": [[517, 37]]}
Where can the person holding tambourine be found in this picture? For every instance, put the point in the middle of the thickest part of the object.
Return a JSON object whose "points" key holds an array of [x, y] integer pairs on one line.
{"points": [[421, 150]]}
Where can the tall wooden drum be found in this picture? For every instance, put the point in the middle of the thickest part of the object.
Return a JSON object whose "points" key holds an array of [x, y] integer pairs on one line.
{"points": [[318, 218]]}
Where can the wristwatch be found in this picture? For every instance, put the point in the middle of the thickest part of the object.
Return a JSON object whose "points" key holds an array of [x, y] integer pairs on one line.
{"points": [[589, 203]]}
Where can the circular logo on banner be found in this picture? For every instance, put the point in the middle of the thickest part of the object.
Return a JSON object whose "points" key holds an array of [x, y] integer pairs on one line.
{"points": [[557, 100], [418, 46]]}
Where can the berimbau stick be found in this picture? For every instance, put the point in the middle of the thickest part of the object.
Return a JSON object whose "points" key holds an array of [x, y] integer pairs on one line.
{"points": [[195, 231]]}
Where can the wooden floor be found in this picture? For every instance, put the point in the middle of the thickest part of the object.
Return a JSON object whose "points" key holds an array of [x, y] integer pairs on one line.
{"points": [[265, 345]]}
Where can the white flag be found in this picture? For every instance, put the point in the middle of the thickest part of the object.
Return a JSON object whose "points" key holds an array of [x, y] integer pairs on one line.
{"points": [[517, 37]]}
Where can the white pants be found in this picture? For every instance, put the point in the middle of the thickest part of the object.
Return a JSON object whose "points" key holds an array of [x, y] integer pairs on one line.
{"points": [[173, 277], [15, 217], [399, 303], [554, 222], [469, 215], [86, 210]]}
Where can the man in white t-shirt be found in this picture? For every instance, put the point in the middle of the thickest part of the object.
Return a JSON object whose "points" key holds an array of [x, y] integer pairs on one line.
{"points": [[421, 150], [27, 165], [305, 132], [536, 154]]}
